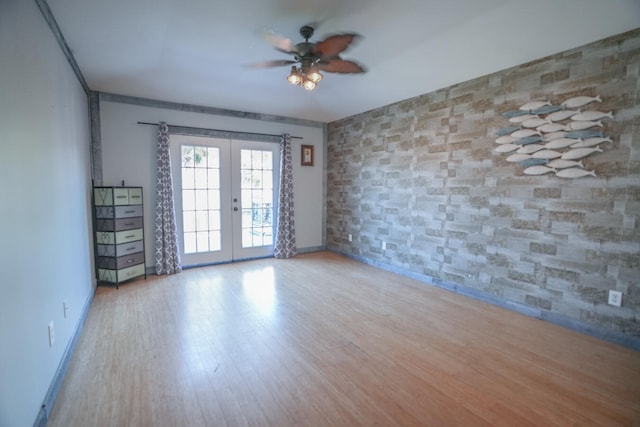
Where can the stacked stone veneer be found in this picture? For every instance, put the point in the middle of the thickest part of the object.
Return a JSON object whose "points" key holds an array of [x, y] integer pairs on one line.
{"points": [[422, 175]]}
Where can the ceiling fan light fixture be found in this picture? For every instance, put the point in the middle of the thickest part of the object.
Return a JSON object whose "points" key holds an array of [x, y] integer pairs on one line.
{"points": [[315, 76], [308, 85], [294, 77]]}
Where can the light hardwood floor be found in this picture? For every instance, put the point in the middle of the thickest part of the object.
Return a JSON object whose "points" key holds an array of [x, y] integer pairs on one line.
{"points": [[321, 340]]}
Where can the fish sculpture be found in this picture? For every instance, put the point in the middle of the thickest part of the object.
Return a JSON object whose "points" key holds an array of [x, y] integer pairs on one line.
{"points": [[553, 135], [546, 109], [534, 123], [514, 113], [562, 115], [574, 173], [529, 140], [561, 143], [538, 170], [523, 118], [517, 158], [590, 142], [584, 134], [579, 101], [532, 162], [508, 130], [533, 105], [588, 116], [546, 154], [584, 125], [531, 148], [523, 133], [507, 148], [506, 139], [578, 153], [552, 127], [561, 164]]}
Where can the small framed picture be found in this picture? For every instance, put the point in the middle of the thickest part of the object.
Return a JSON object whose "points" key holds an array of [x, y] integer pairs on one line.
{"points": [[307, 155]]}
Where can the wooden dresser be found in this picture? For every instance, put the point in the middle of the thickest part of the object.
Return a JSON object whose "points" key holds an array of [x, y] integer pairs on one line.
{"points": [[119, 233]]}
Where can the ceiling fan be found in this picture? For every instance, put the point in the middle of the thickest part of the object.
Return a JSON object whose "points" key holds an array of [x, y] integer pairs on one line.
{"points": [[311, 58]]}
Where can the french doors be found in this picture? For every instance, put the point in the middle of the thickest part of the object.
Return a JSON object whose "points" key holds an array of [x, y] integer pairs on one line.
{"points": [[225, 198]]}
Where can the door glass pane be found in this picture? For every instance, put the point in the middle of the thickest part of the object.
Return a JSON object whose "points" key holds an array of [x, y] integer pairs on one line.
{"points": [[256, 197], [200, 199]]}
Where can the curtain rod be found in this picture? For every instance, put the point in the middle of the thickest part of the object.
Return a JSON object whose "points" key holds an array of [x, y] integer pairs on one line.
{"points": [[218, 130]]}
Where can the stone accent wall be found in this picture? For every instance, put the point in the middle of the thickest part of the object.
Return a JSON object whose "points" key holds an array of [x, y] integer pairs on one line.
{"points": [[422, 175]]}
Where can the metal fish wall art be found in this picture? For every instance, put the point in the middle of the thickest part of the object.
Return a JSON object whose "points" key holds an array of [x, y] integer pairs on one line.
{"points": [[533, 105], [578, 153], [508, 130], [574, 173], [562, 164], [507, 148], [546, 154], [528, 140], [531, 148], [551, 137], [584, 134], [560, 115], [523, 133], [579, 101], [552, 127], [584, 125], [561, 143], [590, 142], [514, 113], [588, 116], [538, 170], [517, 158], [534, 123], [506, 139], [546, 109], [520, 119], [533, 162]]}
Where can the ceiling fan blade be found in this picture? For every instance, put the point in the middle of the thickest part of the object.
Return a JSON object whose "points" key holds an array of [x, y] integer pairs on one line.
{"points": [[280, 42], [274, 63], [338, 65], [332, 46]]}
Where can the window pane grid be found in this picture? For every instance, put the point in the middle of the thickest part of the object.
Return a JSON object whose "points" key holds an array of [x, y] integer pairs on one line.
{"points": [[201, 199], [256, 198]]}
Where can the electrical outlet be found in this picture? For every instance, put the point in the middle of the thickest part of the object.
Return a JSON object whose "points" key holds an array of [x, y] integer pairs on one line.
{"points": [[350, 237], [384, 246], [52, 334], [615, 298]]}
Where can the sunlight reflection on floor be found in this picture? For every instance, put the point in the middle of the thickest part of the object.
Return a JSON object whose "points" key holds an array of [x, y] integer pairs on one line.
{"points": [[259, 289]]}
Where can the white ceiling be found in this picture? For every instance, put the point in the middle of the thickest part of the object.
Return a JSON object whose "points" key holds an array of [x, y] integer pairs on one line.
{"points": [[196, 51]]}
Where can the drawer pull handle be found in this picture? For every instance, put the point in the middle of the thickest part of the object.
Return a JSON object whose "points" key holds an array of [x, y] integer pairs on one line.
{"points": [[130, 236], [129, 261], [129, 223], [130, 249], [131, 211]]}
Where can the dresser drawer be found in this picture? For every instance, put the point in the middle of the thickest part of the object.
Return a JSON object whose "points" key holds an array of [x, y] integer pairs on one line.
{"points": [[118, 224], [117, 276], [120, 250], [107, 196], [120, 262], [118, 237], [128, 211]]}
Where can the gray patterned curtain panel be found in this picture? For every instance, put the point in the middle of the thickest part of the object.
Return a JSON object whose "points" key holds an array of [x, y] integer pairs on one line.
{"points": [[166, 234], [285, 244]]}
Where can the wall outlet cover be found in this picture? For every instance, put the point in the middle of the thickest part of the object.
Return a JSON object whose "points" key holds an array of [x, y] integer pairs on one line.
{"points": [[615, 298]]}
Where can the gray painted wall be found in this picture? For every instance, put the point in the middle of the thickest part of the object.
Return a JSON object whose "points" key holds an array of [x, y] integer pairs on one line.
{"points": [[422, 175], [45, 255]]}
